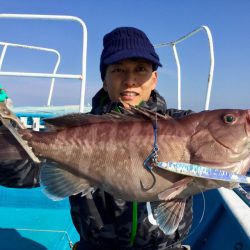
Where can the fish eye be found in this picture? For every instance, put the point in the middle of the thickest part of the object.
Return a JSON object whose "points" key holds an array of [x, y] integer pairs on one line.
{"points": [[229, 118]]}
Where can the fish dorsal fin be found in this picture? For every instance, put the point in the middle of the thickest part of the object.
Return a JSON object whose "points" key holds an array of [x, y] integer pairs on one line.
{"points": [[146, 113], [74, 120], [79, 119]]}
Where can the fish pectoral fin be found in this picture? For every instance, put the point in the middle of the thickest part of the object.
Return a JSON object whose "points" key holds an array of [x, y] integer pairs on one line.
{"points": [[168, 214], [58, 183], [175, 189]]}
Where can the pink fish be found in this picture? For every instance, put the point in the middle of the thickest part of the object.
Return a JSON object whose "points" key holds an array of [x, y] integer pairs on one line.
{"points": [[85, 151]]}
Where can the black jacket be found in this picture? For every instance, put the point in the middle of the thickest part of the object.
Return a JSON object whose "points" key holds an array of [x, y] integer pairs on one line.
{"points": [[102, 221]]}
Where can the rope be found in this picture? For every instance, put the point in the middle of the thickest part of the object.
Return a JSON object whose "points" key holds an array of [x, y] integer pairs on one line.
{"points": [[134, 223], [48, 231]]}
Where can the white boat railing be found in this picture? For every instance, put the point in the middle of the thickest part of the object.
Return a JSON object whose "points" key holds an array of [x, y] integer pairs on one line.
{"points": [[211, 70], [6, 45], [81, 76]]}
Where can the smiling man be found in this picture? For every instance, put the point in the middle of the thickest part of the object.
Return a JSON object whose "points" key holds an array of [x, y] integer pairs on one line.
{"points": [[128, 68], [130, 81]]}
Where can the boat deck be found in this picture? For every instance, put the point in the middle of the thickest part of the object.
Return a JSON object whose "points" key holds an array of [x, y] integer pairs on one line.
{"points": [[224, 224], [34, 222]]}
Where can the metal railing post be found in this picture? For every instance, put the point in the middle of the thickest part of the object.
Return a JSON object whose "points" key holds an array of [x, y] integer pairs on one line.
{"points": [[82, 76], [211, 68], [6, 45]]}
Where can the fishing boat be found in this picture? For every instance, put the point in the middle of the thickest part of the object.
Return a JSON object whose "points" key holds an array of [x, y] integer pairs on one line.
{"points": [[29, 220]]}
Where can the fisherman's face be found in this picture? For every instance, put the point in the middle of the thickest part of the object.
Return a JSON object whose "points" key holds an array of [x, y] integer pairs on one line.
{"points": [[130, 81]]}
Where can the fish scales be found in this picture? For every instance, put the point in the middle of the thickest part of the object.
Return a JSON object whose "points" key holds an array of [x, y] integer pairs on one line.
{"points": [[112, 154]]}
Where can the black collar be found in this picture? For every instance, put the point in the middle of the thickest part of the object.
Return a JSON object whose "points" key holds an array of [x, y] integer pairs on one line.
{"points": [[101, 103]]}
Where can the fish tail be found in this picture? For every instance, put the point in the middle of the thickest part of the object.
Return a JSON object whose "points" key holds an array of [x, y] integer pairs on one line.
{"points": [[10, 149]]}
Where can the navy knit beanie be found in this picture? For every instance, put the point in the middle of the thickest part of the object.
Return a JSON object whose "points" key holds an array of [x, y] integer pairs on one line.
{"points": [[124, 43]]}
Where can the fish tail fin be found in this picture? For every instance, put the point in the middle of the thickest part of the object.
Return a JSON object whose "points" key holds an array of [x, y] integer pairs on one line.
{"points": [[10, 149], [58, 183], [169, 214]]}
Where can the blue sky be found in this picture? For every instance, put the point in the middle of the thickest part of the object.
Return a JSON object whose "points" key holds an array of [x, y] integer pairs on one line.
{"points": [[161, 20]]}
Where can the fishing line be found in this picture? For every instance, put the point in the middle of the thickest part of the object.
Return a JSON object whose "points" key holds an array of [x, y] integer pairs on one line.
{"points": [[202, 215], [152, 158], [48, 231], [197, 226]]}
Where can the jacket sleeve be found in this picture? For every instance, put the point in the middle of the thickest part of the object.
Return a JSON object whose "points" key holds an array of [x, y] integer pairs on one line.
{"points": [[19, 174]]}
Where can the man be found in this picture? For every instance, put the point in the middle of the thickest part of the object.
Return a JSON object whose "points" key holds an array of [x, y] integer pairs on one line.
{"points": [[128, 70]]}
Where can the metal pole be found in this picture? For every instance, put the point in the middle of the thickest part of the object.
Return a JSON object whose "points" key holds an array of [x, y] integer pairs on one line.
{"points": [[2, 56], [5, 44], [178, 75], [211, 68], [27, 74]]}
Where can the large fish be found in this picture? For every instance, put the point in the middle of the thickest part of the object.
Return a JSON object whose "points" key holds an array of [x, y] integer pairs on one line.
{"points": [[85, 151]]}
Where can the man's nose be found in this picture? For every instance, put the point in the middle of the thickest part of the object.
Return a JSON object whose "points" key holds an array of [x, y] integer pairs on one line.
{"points": [[129, 78]]}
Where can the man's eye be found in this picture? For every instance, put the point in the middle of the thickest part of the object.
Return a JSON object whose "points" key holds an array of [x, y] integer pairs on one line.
{"points": [[117, 70], [141, 69]]}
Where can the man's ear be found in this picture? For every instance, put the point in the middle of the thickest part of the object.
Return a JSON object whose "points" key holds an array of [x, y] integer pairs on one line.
{"points": [[104, 85], [154, 80]]}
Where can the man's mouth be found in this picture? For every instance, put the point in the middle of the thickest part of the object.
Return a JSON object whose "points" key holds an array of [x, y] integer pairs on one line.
{"points": [[129, 94]]}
